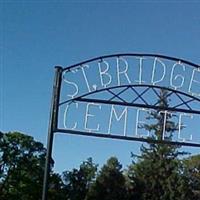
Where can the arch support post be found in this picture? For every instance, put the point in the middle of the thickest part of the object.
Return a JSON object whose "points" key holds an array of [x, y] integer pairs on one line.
{"points": [[53, 122]]}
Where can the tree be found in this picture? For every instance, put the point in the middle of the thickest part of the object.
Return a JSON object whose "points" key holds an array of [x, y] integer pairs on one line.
{"points": [[56, 187], [21, 166], [78, 181], [192, 172], [22, 162], [157, 174], [109, 184]]}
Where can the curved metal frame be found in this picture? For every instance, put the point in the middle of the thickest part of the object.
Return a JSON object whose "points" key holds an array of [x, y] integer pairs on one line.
{"points": [[53, 122], [123, 102], [132, 55]]}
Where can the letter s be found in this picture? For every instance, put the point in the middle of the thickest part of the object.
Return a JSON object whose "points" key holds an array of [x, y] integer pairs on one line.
{"points": [[72, 84]]}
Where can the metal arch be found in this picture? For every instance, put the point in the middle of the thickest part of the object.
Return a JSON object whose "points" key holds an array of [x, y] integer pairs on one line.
{"points": [[145, 104], [126, 138], [133, 85], [100, 58], [53, 126]]}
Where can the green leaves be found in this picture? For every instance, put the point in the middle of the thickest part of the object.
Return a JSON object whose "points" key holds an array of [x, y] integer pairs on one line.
{"points": [[21, 167], [109, 184], [158, 173], [191, 170], [77, 182]]}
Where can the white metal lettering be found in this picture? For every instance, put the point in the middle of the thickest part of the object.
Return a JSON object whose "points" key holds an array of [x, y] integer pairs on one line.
{"points": [[194, 81], [71, 83], [177, 76], [65, 117], [104, 73], [118, 118], [139, 123], [165, 113], [181, 126], [85, 77], [123, 72], [88, 115], [153, 81], [140, 81]]}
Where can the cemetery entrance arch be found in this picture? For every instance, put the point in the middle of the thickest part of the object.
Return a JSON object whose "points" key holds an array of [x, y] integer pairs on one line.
{"points": [[91, 98]]}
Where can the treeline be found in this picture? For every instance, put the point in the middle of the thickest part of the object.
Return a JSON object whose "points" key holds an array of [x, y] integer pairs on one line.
{"points": [[158, 173]]}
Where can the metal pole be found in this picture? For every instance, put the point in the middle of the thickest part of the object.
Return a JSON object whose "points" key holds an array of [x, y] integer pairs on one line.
{"points": [[52, 128]]}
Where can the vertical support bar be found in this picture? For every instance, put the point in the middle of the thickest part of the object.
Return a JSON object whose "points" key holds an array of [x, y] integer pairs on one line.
{"points": [[53, 122]]}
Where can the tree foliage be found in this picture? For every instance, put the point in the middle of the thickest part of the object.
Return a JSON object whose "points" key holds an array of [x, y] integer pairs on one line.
{"points": [[22, 162], [110, 183], [77, 182], [157, 174], [192, 172]]}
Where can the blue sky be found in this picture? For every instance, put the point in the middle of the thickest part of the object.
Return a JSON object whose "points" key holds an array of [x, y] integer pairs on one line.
{"points": [[37, 35]]}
